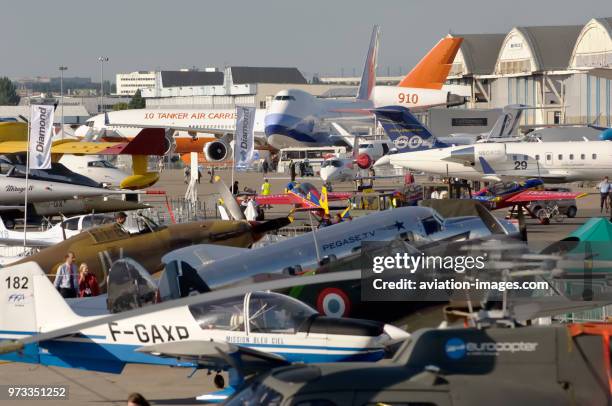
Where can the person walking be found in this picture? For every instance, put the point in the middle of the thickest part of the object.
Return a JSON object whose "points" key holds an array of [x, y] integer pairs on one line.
{"points": [[88, 283], [66, 281], [265, 167], [604, 193], [187, 173]]}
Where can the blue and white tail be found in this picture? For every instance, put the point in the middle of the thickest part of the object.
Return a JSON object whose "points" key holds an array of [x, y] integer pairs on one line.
{"points": [[368, 78], [405, 130], [30, 300]]}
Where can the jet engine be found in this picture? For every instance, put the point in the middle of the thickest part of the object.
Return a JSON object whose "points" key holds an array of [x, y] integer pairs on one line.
{"points": [[217, 151], [169, 143], [364, 161]]}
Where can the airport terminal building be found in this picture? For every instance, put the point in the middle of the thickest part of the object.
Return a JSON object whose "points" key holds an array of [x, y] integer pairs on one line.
{"points": [[564, 72]]}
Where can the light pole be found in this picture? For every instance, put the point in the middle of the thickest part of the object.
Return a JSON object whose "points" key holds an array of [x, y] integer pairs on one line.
{"points": [[62, 69], [102, 59]]}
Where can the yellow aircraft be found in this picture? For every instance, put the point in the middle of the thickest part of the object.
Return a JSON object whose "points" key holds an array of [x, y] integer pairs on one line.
{"points": [[150, 141]]}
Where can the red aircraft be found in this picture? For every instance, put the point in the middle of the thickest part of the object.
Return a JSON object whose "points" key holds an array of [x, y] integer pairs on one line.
{"points": [[522, 194], [304, 196]]}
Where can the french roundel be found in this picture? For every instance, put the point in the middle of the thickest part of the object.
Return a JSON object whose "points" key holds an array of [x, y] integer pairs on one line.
{"points": [[333, 302]]}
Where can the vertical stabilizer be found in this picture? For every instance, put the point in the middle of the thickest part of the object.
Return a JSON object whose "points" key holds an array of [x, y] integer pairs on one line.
{"points": [[432, 70], [368, 78], [406, 132]]}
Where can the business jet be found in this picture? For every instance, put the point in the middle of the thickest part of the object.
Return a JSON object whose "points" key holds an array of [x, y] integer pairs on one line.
{"points": [[553, 162], [192, 130], [297, 118]]}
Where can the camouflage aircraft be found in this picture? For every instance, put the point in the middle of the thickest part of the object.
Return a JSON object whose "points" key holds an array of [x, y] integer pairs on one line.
{"points": [[100, 247]]}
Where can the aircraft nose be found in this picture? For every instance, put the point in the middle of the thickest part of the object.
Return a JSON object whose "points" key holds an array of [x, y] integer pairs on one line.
{"points": [[81, 131], [395, 334], [382, 161]]}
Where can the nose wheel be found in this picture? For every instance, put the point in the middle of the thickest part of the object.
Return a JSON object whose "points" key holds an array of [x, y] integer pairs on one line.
{"points": [[219, 381]]}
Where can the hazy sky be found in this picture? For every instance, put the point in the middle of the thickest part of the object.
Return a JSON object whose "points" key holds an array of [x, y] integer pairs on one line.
{"points": [[317, 36]]}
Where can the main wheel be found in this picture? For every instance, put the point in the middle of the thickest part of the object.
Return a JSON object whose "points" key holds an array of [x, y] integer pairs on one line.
{"points": [[219, 381], [542, 216], [571, 212]]}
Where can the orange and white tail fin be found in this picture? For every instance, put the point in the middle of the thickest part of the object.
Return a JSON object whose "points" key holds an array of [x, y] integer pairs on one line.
{"points": [[432, 70]]}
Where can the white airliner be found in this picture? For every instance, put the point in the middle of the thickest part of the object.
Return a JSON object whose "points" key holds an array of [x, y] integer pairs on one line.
{"points": [[297, 118], [195, 130], [553, 162]]}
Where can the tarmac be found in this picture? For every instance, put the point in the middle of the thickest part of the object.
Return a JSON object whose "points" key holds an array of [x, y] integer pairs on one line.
{"points": [[172, 386]]}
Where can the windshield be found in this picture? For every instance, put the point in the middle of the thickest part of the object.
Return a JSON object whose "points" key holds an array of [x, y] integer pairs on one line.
{"points": [[100, 164], [256, 394], [225, 314], [275, 313], [305, 188], [333, 162]]}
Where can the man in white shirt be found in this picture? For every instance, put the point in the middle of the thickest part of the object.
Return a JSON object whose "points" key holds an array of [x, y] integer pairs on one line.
{"points": [[66, 279], [604, 191]]}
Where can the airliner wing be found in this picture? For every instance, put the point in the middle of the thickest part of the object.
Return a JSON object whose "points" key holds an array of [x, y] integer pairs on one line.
{"points": [[216, 355], [543, 195], [216, 131]]}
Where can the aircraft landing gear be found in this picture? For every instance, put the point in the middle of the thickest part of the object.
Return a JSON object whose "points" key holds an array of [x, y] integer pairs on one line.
{"points": [[219, 381]]}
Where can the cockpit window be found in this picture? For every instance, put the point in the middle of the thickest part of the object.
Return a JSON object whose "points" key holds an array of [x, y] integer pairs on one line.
{"points": [[72, 224], [5, 168], [225, 314], [90, 123], [95, 220], [284, 98], [274, 313], [431, 225], [100, 164]]}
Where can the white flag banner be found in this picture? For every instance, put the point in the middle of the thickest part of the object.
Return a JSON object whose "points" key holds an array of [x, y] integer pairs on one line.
{"points": [[244, 138], [41, 135]]}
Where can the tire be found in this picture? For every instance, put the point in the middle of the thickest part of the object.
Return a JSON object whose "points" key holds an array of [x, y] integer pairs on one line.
{"points": [[333, 302], [571, 212], [542, 217]]}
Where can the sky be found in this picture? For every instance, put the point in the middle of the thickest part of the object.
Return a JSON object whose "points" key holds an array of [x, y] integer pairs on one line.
{"points": [[317, 36]]}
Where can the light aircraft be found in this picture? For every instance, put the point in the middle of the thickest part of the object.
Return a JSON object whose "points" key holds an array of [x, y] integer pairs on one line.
{"points": [[96, 168], [236, 332], [190, 130], [364, 154], [55, 234], [297, 118], [521, 194], [304, 196], [99, 247], [554, 162], [149, 141], [203, 268]]}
